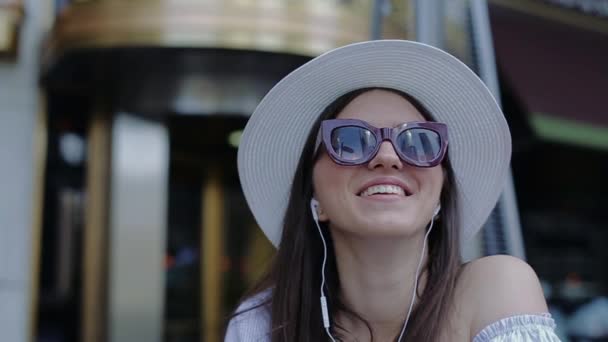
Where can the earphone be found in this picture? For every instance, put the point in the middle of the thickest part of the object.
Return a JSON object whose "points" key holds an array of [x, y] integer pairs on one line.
{"points": [[314, 205], [435, 213]]}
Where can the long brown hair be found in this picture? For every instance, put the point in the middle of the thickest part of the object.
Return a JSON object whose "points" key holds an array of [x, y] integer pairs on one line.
{"points": [[294, 276]]}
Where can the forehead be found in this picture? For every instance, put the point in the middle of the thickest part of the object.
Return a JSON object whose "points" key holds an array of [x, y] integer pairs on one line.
{"points": [[381, 108]]}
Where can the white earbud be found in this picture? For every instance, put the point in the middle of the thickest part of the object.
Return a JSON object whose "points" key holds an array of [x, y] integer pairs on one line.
{"points": [[437, 210], [314, 207]]}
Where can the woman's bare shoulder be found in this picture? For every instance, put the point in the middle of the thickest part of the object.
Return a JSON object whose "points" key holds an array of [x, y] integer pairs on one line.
{"points": [[497, 287]]}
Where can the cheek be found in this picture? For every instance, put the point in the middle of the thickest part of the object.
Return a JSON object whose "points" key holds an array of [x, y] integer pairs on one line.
{"points": [[324, 176], [329, 184], [435, 180], [431, 182]]}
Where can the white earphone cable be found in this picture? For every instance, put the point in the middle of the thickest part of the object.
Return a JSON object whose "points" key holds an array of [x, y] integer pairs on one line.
{"points": [[324, 309], [409, 312]]}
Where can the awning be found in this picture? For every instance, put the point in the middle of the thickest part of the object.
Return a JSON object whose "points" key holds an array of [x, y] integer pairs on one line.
{"points": [[558, 68]]}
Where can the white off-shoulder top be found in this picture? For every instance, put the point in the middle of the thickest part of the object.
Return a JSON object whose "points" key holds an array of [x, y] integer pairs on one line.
{"points": [[254, 326], [520, 328]]}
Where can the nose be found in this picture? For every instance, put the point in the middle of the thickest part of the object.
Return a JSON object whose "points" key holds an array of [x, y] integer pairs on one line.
{"points": [[386, 157]]}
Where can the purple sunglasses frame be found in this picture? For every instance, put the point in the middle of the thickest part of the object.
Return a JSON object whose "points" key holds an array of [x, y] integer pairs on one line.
{"points": [[382, 134]]}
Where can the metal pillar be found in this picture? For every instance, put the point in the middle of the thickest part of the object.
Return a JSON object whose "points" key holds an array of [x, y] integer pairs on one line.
{"points": [[138, 219], [429, 22], [504, 219], [212, 242], [95, 237], [377, 19]]}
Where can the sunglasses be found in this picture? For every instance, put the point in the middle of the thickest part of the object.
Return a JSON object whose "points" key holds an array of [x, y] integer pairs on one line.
{"points": [[352, 142]]}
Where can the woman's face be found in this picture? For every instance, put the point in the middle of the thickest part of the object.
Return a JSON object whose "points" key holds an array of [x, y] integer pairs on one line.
{"points": [[341, 190]]}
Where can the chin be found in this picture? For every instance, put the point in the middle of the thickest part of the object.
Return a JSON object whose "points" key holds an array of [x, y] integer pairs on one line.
{"points": [[385, 227], [392, 232]]}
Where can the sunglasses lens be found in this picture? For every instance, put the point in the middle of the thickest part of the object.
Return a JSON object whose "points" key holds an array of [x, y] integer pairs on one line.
{"points": [[419, 144], [352, 144]]}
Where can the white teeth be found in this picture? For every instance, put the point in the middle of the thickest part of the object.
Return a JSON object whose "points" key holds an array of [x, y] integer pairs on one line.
{"points": [[383, 189]]}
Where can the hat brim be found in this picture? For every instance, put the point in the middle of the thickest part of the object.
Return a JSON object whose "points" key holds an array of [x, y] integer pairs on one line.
{"points": [[274, 137]]}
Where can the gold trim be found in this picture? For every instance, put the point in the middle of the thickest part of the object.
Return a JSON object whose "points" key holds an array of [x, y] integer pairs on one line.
{"points": [[556, 13], [296, 27], [40, 155], [212, 243], [95, 238], [11, 16]]}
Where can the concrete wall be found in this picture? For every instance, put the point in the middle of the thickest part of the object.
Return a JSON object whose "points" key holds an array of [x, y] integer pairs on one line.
{"points": [[18, 110]]}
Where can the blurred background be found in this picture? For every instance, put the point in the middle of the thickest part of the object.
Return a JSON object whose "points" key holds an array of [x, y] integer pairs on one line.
{"points": [[121, 214]]}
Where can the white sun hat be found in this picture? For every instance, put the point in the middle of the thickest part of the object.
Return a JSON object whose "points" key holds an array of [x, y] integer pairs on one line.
{"points": [[274, 137]]}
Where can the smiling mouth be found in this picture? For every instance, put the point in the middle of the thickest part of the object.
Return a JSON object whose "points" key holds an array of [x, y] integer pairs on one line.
{"points": [[384, 189]]}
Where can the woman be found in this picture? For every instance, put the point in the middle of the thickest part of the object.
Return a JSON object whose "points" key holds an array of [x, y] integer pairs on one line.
{"points": [[346, 167]]}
